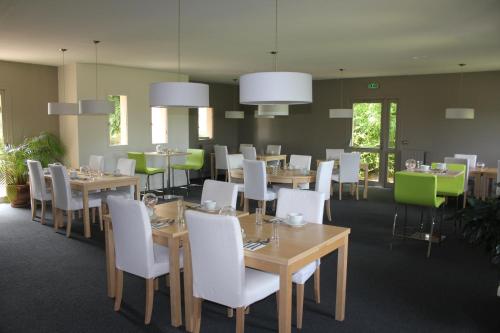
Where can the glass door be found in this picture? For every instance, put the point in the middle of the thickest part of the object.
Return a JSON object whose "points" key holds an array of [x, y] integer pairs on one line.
{"points": [[374, 135]]}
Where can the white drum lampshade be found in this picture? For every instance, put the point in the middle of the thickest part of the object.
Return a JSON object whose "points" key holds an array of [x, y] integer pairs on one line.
{"points": [[178, 94], [95, 107], [276, 88], [459, 113], [235, 115], [340, 113], [272, 110], [62, 109]]}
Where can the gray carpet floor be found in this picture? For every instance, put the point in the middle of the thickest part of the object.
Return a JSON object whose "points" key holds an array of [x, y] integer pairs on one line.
{"points": [[49, 283]]}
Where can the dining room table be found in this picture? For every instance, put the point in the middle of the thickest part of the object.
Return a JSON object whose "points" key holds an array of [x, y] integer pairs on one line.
{"points": [[282, 176], [86, 183], [168, 154], [483, 179], [261, 157], [175, 236]]}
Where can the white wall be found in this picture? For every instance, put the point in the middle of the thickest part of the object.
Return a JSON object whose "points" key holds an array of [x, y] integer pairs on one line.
{"points": [[92, 131]]}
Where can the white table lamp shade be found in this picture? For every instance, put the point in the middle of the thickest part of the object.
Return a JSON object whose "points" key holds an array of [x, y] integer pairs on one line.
{"points": [[62, 109], [459, 113], [95, 107], [234, 115], [178, 94], [341, 113], [276, 88]]}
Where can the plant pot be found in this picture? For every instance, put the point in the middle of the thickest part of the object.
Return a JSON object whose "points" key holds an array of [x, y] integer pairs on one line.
{"points": [[18, 195]]}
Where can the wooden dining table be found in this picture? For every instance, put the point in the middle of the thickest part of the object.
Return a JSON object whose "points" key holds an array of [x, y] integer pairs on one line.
{"points": [[483, 177], [266, 158], [281, 176], [173, 236], [86, 184]]}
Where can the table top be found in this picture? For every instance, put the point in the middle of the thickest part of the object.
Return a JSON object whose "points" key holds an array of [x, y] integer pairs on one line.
{"points": [[487, 170], [170, 153], [271, 157], [106, 178], [281, 174], [294, 243], [447, 173]]}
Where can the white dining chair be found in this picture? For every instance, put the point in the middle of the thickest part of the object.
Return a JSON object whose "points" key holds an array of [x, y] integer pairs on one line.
{"points": [[348, 172], [96, 162], [333, 154], [310, 205], [299, 162], [463, 161], [219, 272], [136, 253], [255, 176], [273, 149], [235, 161], [221, 160], [39, 190], [323, 184], [126, 167], [245, 145], [223, 193], [249, 153], [472, 159], [66, 200]]}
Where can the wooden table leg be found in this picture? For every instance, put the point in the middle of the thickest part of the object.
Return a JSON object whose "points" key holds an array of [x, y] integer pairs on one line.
{"points": [[188, 285], [86, 215], [341, 281], [175, 283], [138, 190], [365, 189], [110, 258], [285, 300]]}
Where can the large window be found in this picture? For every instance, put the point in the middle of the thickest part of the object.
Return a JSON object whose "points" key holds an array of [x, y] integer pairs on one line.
{"points": [[118, 126], [205, 123], [159, 125]]}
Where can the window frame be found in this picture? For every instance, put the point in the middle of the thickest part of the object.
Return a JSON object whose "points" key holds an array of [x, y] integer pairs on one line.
{"points": [[123, 122]]}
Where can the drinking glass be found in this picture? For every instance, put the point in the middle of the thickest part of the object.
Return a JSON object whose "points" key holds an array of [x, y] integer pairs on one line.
{"points": [[480, 165], [259, 212], [410, 164], [419, 163], [275, 235], [180, 211]]}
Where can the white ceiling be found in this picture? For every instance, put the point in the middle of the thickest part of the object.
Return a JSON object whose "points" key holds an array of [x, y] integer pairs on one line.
{"points": [[222, 39]]}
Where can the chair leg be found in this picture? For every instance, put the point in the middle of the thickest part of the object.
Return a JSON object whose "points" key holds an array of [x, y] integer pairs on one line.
{"points": [[274, 205], [196, 314], [357, 191], [430, 236], [187, 178], [163, 184], [328, 210], [33, 209], [240, 320], [43, 212], [147, 183], [245, 207], [230, 312], [93, 215], [118, 288], [278, 302], [465, 199], [317, 293], [149, 300], [242, 199], [340, 191], [264, 206], [68, 224], [99, 210], [300, 304], [157, 285]]}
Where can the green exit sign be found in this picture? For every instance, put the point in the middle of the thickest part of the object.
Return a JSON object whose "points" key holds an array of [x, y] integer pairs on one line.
{"points": [[373, 85]]}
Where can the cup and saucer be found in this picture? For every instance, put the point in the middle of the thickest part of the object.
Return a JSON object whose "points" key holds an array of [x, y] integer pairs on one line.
{"points": [[209, 205], [295, 220]]}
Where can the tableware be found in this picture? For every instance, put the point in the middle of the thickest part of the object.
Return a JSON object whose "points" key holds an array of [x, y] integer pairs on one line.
{"points": [[294, 218], [424, 167], [73, 174], [259, 214], [410, 164], [150, 200], [275, 236], [440, 166], [228, 211], [480, 165], [209, 204]]}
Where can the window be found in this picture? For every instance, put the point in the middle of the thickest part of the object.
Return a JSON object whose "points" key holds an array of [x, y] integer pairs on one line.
{"points": [[159, 125], [118, 126], [3, 191], [205, 123]]}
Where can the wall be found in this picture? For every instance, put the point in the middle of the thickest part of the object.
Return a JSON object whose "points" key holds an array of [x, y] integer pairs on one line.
{"points": [[28, 88], [422, 101], [92, 131]]}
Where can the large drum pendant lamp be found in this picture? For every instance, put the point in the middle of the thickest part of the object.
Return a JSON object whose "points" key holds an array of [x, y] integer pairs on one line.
{"points": [[276, 87], [62, 109], [459, 112], [178, 94], [341, 112], [96, 106]]}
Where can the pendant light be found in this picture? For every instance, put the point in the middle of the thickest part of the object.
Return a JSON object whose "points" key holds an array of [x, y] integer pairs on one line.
{"points": [[341, 112], [96, 106], [178, 94], [276, 87], [62, 108], [257, 115], [459, 112], [234, 114], [272, 110]]}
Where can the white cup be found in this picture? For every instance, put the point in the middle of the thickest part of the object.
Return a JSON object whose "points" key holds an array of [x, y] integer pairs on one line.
{"points": [[294, 218], [424, 167], [209, 204], [441, 166]]}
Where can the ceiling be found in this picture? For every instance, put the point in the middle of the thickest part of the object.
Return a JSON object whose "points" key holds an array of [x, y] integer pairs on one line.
{"points": [[222, 39]]}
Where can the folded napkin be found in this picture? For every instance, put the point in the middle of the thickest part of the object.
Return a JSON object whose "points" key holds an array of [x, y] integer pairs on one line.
{"points": [[253, 246]]}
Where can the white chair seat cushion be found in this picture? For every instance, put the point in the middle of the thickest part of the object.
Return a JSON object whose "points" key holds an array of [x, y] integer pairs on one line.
{"points": [[161, 265], [77, 201], [259, 285], [270, 195], [303, 274]]}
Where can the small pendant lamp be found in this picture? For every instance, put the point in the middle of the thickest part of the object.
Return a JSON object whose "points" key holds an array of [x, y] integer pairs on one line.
{"points": [[341, 112], [459, 112], [62, 108]]}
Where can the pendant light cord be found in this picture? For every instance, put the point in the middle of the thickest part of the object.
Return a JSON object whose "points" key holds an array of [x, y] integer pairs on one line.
{"points": [[276, 36], [96, 90], [179, 40], [234, 93], [341, 88], [460, 83], [63, 77]]}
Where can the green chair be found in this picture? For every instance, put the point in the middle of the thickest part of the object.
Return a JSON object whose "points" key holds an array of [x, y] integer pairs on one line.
{"points": [[142, 168], [417, 189], [194, 161], [452, 186]]}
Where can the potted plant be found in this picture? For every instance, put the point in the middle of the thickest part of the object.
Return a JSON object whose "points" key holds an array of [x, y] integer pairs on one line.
{"points": [[14, 174]]}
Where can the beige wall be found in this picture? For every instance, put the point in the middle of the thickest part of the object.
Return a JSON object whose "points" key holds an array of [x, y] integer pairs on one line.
{"points": [[92, 131], [28, 88], [422, 101]]}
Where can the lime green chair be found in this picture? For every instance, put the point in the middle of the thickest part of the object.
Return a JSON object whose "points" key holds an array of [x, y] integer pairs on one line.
{"points": [[194, 161], [417, 189], [142, 168], [452, 186]]}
